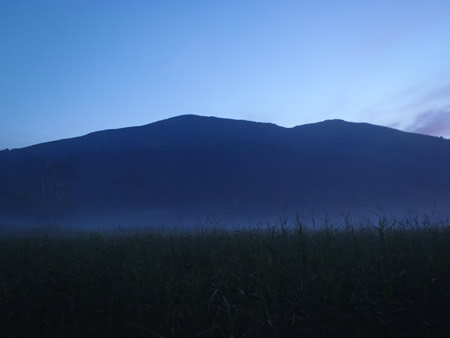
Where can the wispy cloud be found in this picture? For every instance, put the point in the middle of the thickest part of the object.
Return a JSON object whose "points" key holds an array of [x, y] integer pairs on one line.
{"points": [[438, 94], [432, 113], [431, 98], [432, 122]]}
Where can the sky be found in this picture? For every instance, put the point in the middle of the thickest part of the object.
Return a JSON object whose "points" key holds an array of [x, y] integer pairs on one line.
{"points": [[68, 68]]}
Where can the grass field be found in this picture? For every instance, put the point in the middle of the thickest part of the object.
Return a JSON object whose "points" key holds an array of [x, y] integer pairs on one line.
{"points": [[390, 279]]}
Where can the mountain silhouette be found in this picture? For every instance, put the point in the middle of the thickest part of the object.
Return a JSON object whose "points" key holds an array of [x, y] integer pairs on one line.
{"points": [[226, 166]]}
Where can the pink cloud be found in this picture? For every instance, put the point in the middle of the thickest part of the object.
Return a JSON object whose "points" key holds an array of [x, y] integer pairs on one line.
{"points": [[439, 94], [432, 122]]}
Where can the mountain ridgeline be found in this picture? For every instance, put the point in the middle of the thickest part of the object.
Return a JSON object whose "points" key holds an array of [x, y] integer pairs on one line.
{"points": [[229, 167]]}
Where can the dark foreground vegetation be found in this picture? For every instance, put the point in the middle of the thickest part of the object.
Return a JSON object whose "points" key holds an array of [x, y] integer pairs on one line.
{"points": [[390, 279]]}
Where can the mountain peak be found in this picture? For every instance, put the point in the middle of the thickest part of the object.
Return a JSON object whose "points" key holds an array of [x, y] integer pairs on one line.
{"points": [[193, 161], [335, 121]]}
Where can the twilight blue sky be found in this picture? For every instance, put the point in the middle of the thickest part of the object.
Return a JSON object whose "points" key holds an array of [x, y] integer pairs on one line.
{"points": [[71, 67]]}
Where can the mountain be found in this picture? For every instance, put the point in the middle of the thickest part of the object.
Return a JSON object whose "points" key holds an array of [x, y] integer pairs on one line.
{"points": [[206, 164]]}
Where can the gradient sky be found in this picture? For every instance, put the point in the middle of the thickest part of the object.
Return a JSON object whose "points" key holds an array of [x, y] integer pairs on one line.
{"points": [[71, 67]]}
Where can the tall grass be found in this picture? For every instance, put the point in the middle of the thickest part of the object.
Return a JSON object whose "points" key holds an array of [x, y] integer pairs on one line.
{"points": [[391, 279]]}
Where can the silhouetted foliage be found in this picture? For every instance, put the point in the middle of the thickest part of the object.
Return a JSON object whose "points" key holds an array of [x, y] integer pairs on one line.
{"points": [[390, 279]]}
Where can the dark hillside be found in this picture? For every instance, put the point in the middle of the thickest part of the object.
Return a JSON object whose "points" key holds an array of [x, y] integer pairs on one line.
{"points": [[208, 163]]}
